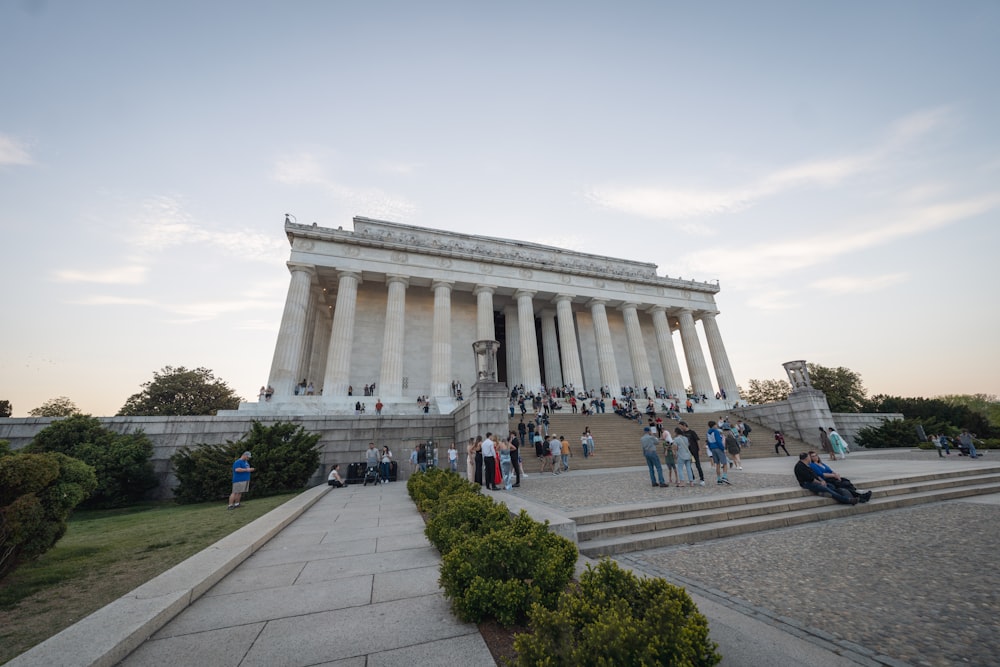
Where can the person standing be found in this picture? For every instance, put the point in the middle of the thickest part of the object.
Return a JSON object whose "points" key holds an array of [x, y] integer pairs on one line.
{"points": [[693, 447], [825, 445], [378, 407], [490, 462], [385, 465], [555, 453], [838, 443], [565, 452], [683, 457], [717, 447], [241, 479], [650, 446], [453, 458]]}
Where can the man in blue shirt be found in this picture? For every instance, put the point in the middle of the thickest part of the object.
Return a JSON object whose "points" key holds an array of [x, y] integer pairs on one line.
{"points": [[241, 479], [835, 480], [717, 447]]}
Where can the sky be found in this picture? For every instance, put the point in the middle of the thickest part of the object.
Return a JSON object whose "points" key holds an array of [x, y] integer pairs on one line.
{"points": [[836, 166]]}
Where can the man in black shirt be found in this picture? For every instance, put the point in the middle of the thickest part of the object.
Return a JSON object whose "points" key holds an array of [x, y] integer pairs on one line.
{"points": [[693, 447], [808, 479]]}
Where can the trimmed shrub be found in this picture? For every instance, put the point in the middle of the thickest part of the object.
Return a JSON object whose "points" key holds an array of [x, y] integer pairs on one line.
{"points": [[426, 488], [461, 515], [37, 494], [505, 571], [285, 456], [120, 461], [614, 618]]}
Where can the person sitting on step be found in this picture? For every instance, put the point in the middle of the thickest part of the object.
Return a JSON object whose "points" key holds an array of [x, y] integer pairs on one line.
{"points": [[810, 480], [835, 480]]}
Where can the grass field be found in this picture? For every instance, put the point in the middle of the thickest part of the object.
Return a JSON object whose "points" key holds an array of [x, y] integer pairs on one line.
{"points": [[105, 554]]}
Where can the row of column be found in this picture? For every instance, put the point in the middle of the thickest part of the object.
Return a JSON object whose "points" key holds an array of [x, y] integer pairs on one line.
{"points": [[304, 329]]}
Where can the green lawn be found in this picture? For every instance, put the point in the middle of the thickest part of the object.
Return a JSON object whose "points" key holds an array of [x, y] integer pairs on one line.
{"points": [[105, 554]]}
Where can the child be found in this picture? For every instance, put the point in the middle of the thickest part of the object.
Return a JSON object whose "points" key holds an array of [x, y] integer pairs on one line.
{"points": [[670, 458]]}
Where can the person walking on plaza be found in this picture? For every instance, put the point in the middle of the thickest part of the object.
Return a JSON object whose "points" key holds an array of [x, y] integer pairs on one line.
{"points": [[564, 452], [779, 441], [826, 445], [241, 479], [555, 453], [810, 480], [650, 449], [838, 443]]}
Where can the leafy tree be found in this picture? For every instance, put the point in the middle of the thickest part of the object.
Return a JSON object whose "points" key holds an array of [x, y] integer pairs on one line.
{"points": [[957, 415], [37, 494], [6, 409], [284, 454], [121, 461], [842, 386], [179, 392], [766, 391], [987, 405], [56, 407], [900, 432]]}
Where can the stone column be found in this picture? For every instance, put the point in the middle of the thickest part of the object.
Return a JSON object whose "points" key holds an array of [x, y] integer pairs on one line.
{"points": [[441, 342], [641, 374], [321, 344], [572, 371], [720, 360], [307, 337], [513, 340], [550, 349], [338, 357], [701, 383], [605, 347], [484, 312], [390, 379], [530, 374], [291, 335], [668, 355]]}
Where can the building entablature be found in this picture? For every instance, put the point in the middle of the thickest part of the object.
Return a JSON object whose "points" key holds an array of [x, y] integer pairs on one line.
{"points": [[382, 248]]}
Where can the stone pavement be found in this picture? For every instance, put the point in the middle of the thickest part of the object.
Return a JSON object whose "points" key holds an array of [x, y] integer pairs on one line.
{"points": [[915, 586], [352, 582], [346, 577]]}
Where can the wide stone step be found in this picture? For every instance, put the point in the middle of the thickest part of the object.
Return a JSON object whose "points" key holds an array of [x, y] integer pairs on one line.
{"points": [[883, 499]]}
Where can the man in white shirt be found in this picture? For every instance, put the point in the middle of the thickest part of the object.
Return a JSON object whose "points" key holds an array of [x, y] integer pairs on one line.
{"points": [[555, 449], [489, 462]]}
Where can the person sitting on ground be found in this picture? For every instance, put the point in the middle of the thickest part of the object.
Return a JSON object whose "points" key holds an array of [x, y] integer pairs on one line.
{"points": [[835, 480], [334, 479], [810, 480]]}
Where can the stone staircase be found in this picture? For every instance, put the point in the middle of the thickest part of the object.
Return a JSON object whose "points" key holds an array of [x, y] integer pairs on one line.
{"points": [[617, 439], [627, 528]]}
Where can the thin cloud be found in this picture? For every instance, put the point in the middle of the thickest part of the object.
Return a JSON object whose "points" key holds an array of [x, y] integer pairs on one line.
{"points": [[125, 275], [677, 204], [774, 257], [198, 311], [164, 223], [306, 169], [859, 284], [107, 300], [13, 152]]}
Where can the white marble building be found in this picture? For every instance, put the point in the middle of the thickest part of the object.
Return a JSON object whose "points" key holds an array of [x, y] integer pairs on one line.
{"points": [[399, 306]]}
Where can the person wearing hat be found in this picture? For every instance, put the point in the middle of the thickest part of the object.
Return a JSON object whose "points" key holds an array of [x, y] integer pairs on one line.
{"points": [[241, 479]]}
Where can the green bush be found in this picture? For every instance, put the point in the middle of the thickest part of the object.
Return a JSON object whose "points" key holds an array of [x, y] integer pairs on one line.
{"points": [[426, 488], [503, 572], [900, 433], [120, 461], [37, 494], [614, 618], [460, 515], [285, 456]]}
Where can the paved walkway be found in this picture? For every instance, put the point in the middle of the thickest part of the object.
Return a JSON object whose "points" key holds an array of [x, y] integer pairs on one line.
{"points": [[348, 578], [351, 582]]}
